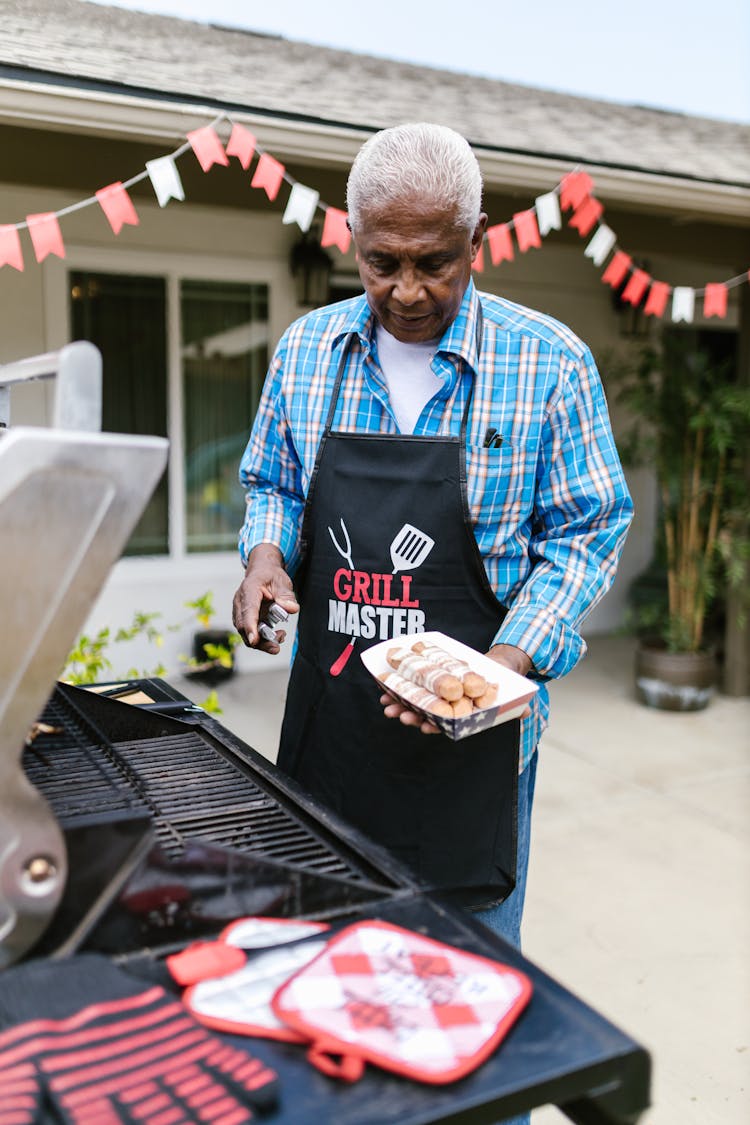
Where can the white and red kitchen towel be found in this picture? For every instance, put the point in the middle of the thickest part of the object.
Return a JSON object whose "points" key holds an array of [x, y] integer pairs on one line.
{"points": [[374, 992]]}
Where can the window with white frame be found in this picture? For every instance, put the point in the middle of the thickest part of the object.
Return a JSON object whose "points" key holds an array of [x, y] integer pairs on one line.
{"points": [[223, 332]]}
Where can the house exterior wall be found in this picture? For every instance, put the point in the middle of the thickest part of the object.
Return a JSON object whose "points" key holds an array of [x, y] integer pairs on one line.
{"points": [[230, 243]]}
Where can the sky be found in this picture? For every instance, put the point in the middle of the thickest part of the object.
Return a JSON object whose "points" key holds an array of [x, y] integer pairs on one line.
{"points": [[692, 56]]}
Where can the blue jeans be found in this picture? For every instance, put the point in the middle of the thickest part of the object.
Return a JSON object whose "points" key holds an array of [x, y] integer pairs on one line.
{"points": [[505, 919]]}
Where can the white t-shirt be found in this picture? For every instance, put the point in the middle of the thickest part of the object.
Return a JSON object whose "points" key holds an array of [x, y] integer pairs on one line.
{"points": [[410, 379]]}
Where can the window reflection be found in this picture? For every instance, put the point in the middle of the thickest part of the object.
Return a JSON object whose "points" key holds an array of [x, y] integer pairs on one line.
{"points": [[224, 361]]}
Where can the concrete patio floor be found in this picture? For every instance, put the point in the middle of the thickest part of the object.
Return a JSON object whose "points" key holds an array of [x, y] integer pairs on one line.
{"points": [[639, 884]]}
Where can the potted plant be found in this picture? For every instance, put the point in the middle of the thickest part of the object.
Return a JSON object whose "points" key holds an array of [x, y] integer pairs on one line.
{"points": [[691, 423], [211, 663], [213, 648]]}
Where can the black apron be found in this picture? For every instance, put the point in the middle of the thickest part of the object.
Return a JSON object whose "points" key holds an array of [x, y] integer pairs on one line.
{"points": [[446, 809]]}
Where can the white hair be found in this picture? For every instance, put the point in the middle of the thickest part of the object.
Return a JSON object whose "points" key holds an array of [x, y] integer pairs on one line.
{"points": [[421, 160]]}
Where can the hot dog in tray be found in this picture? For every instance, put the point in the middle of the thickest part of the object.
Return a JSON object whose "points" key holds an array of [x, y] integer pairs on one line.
{"points": [[461, 690], [437, 682]]}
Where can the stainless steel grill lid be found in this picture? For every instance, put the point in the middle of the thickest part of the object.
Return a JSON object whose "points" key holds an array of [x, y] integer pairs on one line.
{"points": [[69, 500]]}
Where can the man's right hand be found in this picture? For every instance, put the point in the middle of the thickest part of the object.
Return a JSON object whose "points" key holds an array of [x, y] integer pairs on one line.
{"points": [[265, 581]]}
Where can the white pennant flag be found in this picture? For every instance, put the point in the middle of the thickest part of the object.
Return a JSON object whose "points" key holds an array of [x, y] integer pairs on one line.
{"points": [[600, 245], [165, 179], [547, 212], [683, 304], [300, 208]]}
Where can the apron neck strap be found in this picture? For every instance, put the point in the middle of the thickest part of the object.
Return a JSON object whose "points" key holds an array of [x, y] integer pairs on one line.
{"points": [[346, 344]]}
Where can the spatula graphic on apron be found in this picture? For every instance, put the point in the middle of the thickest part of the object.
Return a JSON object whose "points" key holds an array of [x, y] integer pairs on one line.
{"points": [[410, 548]]}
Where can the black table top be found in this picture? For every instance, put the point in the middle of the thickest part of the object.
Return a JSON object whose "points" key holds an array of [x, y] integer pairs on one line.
{"points": [[560, 1052]]}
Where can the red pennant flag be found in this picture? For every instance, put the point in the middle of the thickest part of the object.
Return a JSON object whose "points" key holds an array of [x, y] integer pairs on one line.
{"points": [[335, 230], [268, 175], [478, 263], [241, 144], [207, 147], [10, 248], [657, 299], [586, 215], [501, 245], [574, 188], [617, 270], [715, 299], [45, 235], [638, 283], [117, 206], [527, 232]]}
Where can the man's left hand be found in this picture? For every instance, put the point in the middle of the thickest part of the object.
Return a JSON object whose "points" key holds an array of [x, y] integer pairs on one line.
{"points": [[513, 658]]}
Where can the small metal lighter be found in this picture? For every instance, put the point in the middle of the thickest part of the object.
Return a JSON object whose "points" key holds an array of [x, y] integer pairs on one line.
{"points": [[274, 616]]}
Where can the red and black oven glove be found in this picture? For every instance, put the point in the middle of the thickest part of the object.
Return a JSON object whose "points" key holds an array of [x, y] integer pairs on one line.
{"points": [[132, 1056]]}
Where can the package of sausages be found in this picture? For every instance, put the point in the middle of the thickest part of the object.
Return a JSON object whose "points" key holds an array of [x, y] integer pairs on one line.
{"points": [[459, 689]]}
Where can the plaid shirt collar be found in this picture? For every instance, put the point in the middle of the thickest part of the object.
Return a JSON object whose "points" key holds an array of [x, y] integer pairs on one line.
{"points": [[459, 338]]}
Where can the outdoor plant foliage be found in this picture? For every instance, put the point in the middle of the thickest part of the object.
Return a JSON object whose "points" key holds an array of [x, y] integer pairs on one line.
{"points": [[691, 423], [89, 661]]}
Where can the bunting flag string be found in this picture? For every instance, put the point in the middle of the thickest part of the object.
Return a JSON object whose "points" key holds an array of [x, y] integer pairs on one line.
{"points": [[117, 206], [46, 236], [301, 206], [547, 209], [269, 175], [573, 196], [241, 144]]}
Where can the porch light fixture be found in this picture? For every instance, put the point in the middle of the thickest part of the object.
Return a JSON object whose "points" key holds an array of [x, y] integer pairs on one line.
{"points": [[311, 266]]}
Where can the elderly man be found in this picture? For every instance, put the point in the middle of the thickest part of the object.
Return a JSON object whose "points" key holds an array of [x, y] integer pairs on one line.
{"points": [[481, 425]]}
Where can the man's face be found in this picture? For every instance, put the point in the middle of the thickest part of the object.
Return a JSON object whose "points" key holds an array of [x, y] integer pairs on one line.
{"points": [[415, 265]]}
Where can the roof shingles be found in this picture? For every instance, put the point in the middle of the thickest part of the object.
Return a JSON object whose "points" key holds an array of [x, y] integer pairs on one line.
{"points": [[179, 57]]}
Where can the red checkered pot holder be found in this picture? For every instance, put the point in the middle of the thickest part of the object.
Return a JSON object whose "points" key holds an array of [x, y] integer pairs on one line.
{"points": [[231, 981], [381, 994]]}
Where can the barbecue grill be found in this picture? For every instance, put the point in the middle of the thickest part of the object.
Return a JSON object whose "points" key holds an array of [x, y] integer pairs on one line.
{"points": [[197, 809], [133, 828]]}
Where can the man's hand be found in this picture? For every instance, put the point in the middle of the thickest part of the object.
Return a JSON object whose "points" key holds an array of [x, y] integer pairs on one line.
{"points": [[265, 582], [393, 709], [513, 658], [508, 655]]}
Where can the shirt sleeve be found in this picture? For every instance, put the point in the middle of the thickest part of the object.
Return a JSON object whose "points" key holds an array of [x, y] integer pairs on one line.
{"points": [[270, 473], [581, 516]]}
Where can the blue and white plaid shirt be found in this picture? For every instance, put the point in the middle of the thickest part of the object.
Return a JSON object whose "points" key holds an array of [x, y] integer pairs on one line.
{"points": [[548, 498]]}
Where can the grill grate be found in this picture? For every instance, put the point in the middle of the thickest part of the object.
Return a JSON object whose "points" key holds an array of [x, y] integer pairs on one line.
{"points": [[191, 788], [72, 768], [196, 794]]}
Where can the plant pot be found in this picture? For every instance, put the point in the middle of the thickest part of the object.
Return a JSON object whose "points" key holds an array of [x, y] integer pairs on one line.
{"points": [[214, 673], [674, 681]]}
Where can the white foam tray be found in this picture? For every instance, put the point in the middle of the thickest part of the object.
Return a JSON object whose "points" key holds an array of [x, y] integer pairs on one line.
{"points": [[513, 694]]}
